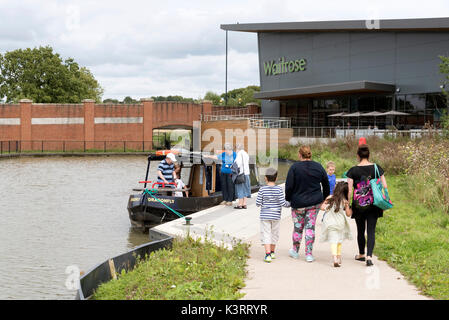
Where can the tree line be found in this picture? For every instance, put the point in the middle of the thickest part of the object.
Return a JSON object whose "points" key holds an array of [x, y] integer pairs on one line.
{"points": [[40, 74]]}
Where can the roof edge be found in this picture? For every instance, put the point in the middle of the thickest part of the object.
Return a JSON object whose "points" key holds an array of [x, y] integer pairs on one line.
{"points": [[416, 24], [331, 88]]}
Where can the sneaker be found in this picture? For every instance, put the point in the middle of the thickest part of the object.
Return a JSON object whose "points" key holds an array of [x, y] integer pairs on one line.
{"points": [[310, 258], [267, 258], [273, 256], [293, 254]]}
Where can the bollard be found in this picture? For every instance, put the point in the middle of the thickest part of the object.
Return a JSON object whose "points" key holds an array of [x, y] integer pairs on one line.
{"points": [[188, 220]]}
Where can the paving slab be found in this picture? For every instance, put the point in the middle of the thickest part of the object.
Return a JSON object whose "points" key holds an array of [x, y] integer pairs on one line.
{"points": [[286, 278]]}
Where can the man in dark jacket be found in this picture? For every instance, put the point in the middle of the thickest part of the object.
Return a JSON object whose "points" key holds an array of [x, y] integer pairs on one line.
{"points": [[306, 188]]}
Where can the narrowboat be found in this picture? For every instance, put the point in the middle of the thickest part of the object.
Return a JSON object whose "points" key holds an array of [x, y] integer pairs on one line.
{"points": [[156, 203]]}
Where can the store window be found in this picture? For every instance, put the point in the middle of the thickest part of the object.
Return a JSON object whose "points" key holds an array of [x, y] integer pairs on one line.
{"points": [[436, 103]]}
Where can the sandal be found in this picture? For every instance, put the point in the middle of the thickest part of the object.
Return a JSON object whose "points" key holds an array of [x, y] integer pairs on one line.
{"points": [[359, 258], [238, 207], [244, 207]]}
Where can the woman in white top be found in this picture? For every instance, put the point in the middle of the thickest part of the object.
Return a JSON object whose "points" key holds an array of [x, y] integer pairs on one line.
{"points": [[242, 190]]}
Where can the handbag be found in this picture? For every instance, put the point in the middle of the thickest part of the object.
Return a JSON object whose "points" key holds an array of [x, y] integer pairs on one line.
{"points": [[240, 177], [381, 198]]}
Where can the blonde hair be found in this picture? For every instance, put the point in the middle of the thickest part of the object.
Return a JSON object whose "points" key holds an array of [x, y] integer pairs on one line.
{"points": [[305, 152], [330, 164]]}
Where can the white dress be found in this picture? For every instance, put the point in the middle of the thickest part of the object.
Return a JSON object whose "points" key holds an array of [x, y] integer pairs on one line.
{"points": [[335, 226], [179, 185]]}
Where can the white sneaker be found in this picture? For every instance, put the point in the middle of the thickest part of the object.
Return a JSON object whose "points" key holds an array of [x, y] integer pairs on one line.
{"points": [[267, 258], [293, 254], [310, 258]]}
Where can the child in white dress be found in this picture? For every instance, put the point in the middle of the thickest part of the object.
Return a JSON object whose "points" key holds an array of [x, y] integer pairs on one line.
{"points": [[335, 225], [179, 183]]}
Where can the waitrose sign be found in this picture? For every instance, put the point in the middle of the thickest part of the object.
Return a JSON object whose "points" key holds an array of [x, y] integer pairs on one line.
{"points": [[272, 68]]}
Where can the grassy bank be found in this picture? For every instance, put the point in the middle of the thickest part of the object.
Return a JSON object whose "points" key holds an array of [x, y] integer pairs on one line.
{"points": [[190, 270], [413, 237]]}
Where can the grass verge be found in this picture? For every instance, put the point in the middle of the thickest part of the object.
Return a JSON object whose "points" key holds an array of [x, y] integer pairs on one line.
{"points": [[414, 240], [413, 237], [191, 270]]}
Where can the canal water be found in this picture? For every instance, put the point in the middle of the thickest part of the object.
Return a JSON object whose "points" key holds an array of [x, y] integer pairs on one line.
{"points": [[63, 213]]}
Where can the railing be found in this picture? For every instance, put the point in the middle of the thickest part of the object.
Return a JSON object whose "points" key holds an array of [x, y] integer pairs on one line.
{"points": [[314, 132], [270, 123], [412, 133], [256, 120], [232, 111], [220, 117], [332, 132], [69, 146]]}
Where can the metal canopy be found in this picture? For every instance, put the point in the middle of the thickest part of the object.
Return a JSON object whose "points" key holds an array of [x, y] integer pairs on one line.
{"points": [[362, 86], [423, 24]]}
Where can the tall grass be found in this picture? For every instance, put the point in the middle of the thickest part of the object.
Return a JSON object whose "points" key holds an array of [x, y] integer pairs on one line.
{"points": [[425, 163], [191, 270]]}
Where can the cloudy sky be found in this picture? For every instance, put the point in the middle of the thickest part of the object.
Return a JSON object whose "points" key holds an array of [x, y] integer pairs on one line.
{"points": [[148, 48]]}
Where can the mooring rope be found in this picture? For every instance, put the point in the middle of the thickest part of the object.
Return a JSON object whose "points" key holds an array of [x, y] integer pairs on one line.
{"points": [[152, 193]]}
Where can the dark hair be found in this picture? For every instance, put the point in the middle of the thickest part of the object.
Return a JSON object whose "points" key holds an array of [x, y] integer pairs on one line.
{"points": [[339, 196], [363, 151], [271, 174], [305, 152]]}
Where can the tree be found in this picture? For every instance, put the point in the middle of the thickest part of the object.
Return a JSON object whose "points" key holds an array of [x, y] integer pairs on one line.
{"points": [[40, 74], [129, 100], [212, 96], [173, 98], [242, 96], [111, 101]]}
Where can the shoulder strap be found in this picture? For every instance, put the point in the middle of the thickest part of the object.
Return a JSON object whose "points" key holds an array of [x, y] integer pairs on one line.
{"points": [[376, 172]]}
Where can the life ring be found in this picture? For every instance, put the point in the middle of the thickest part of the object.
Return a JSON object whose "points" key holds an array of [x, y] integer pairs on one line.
{"points": [[165, 152]]}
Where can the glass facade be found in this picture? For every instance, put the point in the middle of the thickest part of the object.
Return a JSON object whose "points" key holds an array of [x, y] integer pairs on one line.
{"points": [[314, 112]]}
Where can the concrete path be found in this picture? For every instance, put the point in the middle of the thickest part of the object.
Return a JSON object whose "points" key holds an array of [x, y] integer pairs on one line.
{"points": [[286, 278]]}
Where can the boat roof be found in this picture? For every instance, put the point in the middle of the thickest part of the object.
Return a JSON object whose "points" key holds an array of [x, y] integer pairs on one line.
{"points": [[192, 157]]}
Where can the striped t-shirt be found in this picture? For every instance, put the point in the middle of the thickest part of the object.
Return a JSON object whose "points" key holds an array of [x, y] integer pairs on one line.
{"points": [[271, 199], [167, 171]]}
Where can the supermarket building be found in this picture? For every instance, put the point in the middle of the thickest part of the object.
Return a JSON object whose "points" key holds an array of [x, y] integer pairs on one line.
{"points": [[311, 70]]}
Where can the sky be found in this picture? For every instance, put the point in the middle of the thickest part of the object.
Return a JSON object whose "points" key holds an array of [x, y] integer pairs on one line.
{"points": [[172, 47]]}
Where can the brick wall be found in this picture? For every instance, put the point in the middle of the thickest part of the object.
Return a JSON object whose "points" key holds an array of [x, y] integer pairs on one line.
{"points": [[32, 124]]}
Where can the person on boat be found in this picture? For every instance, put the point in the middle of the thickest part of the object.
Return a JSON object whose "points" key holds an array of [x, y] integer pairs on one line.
{"points": [[165, 170], [242, 190], [227, 158], [179, 183]]}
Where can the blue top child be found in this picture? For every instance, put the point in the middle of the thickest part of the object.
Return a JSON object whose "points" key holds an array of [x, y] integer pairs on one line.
{"points": [[330, 169]]}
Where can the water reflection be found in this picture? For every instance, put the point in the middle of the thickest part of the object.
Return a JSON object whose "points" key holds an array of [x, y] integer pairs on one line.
{"points": [[65, 211]]}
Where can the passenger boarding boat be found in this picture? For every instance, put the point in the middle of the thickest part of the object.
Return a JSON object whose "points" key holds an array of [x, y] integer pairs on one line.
{"points": [[201, 176]]}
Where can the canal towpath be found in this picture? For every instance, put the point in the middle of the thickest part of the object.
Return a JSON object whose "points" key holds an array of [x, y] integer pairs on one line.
{"points": [[286, 278]]}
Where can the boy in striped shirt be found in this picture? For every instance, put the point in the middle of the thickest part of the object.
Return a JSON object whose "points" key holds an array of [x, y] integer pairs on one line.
{"points": [[271, 199]]}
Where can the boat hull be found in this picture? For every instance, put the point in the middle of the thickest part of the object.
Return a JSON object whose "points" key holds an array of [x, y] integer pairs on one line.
{"points": [[145, 211]]}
